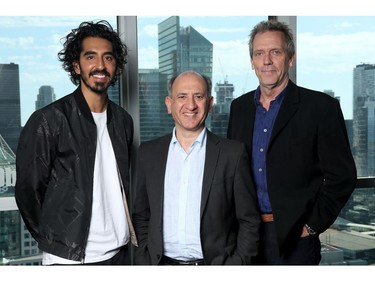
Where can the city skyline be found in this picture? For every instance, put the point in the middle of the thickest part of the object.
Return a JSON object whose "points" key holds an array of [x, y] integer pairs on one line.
{"points": [[326, 55], [316, 272]]}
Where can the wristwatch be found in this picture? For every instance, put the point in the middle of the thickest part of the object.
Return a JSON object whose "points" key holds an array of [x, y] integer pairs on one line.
{"points": [[310, 231]]}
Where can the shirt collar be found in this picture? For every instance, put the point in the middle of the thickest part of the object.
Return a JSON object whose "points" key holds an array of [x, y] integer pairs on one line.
{"points": [[200, 139], [279, 97]]}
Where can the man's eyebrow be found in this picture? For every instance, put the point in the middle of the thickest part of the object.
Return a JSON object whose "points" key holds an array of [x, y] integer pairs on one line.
{"points": [[90, 52]]}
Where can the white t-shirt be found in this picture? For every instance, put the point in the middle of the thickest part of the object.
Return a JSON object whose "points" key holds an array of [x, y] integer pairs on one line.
{"points": [[108, 228]]}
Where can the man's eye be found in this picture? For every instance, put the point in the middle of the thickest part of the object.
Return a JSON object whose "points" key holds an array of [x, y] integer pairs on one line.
{"points": [[276, 52]]}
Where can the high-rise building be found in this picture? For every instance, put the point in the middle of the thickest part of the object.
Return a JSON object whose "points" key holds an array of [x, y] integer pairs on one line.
{"points": [[169, 46], [180, 49], [15, 241], [154, 118], [7, 169], [10, 110], [9, 217], [183, 48], [363, 119], [46, 96], [330, 93], [220, 110], [114, 93]]}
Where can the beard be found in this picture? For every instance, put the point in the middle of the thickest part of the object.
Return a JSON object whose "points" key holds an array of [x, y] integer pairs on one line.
{"points": [[99, 88]]}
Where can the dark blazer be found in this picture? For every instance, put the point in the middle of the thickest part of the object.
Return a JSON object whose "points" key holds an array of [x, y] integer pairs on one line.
{"points": [[310, 169], [229, 211]]}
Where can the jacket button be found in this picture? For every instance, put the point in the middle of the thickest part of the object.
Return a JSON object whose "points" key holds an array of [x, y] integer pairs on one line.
{"points": [[158, 256]]}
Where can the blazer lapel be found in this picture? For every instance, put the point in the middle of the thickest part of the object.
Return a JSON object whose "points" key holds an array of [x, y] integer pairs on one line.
{"points": [[212, 155], [288, 108], [160, 158]]}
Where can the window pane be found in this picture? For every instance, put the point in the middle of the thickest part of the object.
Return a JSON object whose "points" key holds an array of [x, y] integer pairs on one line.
{"points": [[335, 55], [214, 46], [30, 77]]}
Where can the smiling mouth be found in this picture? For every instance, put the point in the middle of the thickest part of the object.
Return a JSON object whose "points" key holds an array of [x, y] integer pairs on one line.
{"points": [[100, 76]]}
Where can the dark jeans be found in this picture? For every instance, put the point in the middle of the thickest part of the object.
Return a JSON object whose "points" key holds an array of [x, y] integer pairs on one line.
{"points": [[306, 252]]}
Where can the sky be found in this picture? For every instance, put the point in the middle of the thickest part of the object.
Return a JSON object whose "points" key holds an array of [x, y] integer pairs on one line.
{"points": [[328, 46]]}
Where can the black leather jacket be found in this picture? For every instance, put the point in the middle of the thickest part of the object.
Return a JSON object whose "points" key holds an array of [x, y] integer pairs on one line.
{"points": [[55, 169]]}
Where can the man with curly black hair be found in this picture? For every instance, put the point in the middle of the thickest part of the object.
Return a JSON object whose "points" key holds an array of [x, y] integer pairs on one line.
{"points": [[73, 158]]}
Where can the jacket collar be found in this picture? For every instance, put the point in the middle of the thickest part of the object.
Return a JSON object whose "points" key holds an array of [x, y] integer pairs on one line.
{"points": [[287, 109], [85, 109]]}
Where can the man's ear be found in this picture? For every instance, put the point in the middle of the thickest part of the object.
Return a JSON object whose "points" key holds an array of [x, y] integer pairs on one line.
{"points": [[292, 60], [210, 103], [168, 104], [76, 67]]}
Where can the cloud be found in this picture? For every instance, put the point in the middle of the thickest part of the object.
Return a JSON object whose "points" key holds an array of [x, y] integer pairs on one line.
{"points": [[345, 24], [11, 42], [44, 21], [150, 31], [201, 29], [334, 53], [148, 57], [232, 56]]}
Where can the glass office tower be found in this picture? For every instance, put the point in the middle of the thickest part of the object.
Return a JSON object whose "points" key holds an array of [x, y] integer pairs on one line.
{"points": [[179, 49], [183, 48], [46, 96], [10, 109], [154, 118], [220, 110], [363, 119]]}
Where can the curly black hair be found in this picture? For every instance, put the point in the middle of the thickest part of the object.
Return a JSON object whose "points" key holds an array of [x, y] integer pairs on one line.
{"points": [[73, 46]]}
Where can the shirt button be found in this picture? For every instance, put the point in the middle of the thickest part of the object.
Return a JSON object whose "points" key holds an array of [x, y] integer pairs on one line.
{"points": [[260, 170], [261, 150], [265, 130]]}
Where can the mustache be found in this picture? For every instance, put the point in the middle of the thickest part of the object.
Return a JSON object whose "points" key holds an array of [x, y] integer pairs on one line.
{"points": [[100, 72]]}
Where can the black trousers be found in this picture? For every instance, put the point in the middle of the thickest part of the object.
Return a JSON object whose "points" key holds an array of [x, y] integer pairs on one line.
{"points": [[121, 258], [306, 252]]}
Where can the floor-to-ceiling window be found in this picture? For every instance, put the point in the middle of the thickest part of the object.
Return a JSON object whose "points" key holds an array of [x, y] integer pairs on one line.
{"points": [[214, 46], [334, 54], [30, 77]]}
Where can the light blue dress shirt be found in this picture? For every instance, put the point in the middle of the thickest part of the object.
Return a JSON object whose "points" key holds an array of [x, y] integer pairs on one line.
{"points": [[182, 199]]}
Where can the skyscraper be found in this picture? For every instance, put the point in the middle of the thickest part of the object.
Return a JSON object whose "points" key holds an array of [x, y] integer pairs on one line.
{"points": [[154, 119], [15, 241], [114, 93], [46, 96], [10, 110], [180, 49], [363, 118], [9, 217], [220, 111], [183, 49], [169, 46]]}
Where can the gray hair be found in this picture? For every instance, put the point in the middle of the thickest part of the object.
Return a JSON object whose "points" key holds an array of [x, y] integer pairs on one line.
{"points": [[273, 25]]}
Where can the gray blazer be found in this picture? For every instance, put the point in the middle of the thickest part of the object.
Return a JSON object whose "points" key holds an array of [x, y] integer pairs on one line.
{"points": [[229, 210]]}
